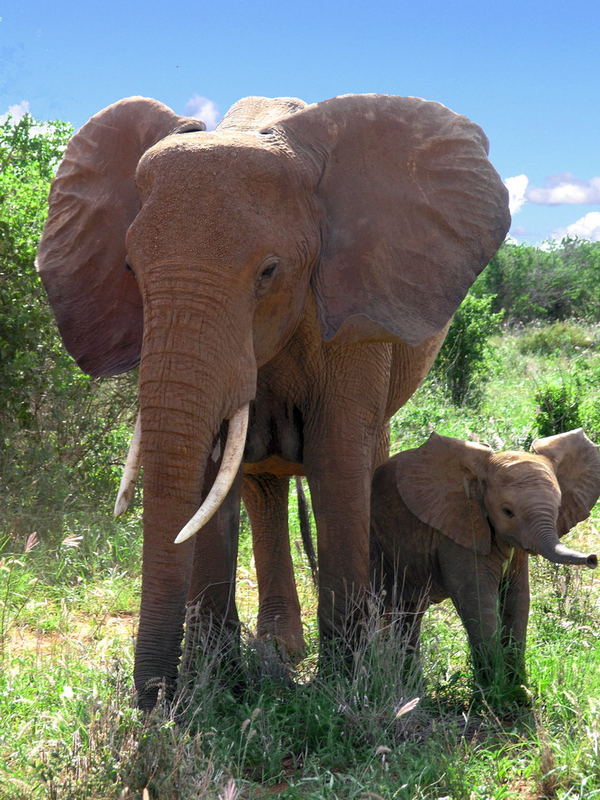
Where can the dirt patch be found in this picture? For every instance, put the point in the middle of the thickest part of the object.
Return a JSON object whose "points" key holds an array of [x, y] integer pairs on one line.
{"points": [[77, 631]]}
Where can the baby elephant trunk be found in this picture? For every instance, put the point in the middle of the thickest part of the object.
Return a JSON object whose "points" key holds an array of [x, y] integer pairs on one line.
{"points": [[559, 554]]}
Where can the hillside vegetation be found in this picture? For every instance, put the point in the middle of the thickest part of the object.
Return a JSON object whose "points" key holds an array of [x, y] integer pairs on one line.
{"points": [[522, 360]]}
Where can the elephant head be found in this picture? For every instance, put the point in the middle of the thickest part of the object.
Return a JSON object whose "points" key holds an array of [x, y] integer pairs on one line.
{"points": [[198, 255], [527, 500]]}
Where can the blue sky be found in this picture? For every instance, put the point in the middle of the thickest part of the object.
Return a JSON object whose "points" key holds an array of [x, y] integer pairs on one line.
{"points": [[526, 71]]}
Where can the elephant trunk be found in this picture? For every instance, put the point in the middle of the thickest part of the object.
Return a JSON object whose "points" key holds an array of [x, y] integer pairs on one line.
{"points": [[549, 546], [559, 554], [193, 376]]}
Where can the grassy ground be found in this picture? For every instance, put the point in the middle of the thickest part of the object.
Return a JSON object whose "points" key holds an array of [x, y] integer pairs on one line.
{"points": [[67, 625]]}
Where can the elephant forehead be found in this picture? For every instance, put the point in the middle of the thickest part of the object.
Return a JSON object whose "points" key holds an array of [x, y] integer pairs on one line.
{"points": [[523, 470], [232, 193], [224, 163]]}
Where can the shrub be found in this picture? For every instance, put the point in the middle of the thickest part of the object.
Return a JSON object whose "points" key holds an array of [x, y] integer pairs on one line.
{"points": [[558, 407], [571, 402], [554, 283], [559, 337], [587, 372], [58, 447], [464, 362]]}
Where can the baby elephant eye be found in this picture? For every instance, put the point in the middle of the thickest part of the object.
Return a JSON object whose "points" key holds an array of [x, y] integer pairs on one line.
{"points": [[507, 512], [268, 271]]}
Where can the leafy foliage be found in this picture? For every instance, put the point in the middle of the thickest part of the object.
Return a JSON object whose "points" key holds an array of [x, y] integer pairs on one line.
{"points": [[560, 337], [570, 400], [558, 408], [555, 283], [58, 428], [463, 363], [28, 158]]}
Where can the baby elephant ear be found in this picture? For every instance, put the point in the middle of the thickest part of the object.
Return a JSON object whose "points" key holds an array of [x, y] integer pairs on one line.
{"points": [[413, 211], [576, 462], [440, 484], [81, 257]]}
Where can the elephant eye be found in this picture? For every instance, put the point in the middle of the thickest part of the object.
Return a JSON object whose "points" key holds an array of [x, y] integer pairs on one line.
{"points": [[507, 512], [268, 271], [265, 275]]}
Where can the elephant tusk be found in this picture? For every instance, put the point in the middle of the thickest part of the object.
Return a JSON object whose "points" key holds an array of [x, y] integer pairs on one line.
{"points": [[232, 458], [130, 472]]}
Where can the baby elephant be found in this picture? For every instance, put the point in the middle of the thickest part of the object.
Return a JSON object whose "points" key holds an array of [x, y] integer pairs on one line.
{"points": [[454, 519]]}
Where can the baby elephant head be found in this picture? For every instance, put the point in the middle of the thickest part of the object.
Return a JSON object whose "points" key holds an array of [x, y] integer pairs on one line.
{"points": [[528, 500]]}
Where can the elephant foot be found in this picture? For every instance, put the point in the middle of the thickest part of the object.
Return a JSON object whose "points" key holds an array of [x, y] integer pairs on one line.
{"points": [[502, 694], [153, 693], [212, 651], [280, 626]]}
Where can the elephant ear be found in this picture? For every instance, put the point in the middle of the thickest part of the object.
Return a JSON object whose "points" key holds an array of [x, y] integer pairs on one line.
{"points": [[576, 462], [440, 482], [81, 257], [413, 211]]}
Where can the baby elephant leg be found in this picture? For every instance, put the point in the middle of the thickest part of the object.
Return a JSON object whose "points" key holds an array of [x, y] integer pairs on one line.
{"points": [[514, 614], [495, 653], [480, 618]]}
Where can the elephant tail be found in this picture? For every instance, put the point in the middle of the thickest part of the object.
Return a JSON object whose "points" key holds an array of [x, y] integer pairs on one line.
{"points": [[307, 542]]}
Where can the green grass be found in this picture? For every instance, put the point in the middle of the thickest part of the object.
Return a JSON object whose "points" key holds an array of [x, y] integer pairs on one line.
{"points": [[68, 729], [508, 412]]}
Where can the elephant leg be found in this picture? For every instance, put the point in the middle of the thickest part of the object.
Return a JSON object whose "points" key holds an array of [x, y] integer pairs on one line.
{"points": [[475, 597], [409, 621], [409, 630], [343, 438], [213, 623], [343, 553], [160, 633], [266, 500], [514, 615], [339, 475]]}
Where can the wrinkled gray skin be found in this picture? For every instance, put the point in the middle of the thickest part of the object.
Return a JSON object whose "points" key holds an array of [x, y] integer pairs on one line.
{"points": [[453, 519]]}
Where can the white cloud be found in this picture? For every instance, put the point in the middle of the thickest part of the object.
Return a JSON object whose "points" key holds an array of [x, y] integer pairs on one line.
{"points": [[517, 190], [588, 227], [16, 112], [566, 188], [202, 108], [562, 189]]}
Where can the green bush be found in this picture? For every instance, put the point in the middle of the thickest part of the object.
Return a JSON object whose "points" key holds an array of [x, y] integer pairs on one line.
{"points": [[558, 407], [571, 401], [587, 372], [464, 362], [560, 337], [558, 282], [61, 443]]}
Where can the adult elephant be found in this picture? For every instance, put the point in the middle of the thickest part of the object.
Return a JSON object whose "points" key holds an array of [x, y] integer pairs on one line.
{"points": [[302, 260]]}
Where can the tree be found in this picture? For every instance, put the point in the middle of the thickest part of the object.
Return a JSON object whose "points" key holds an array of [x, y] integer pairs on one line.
{"points": [[59, 441], [464, 361], [555, 283]]}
